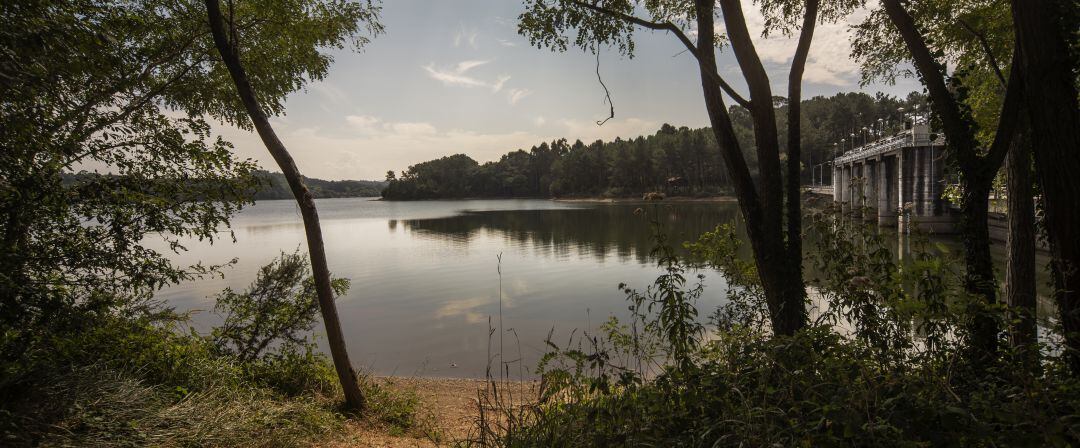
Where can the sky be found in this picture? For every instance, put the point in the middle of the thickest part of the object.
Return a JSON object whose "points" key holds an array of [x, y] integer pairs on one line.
{"points": [[454, 76]]}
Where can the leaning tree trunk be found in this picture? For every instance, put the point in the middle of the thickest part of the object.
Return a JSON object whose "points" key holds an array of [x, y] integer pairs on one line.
{"points": [[1020, 265], [354, 398], [1051, 104]]}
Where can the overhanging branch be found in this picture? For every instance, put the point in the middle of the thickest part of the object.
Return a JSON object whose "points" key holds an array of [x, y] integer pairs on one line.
{"points": [[986, 49], [669, 27]]}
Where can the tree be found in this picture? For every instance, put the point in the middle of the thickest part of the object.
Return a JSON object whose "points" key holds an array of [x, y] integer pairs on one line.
{"points": [[276, 312], [91, 84], [228, 46], [976, 163], [777, 251], [1020, 287], [1048, 67]]}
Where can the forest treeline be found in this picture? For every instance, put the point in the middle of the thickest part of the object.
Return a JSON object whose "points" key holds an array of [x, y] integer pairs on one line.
{"points": [[933, 351], [274, 186], [690, 157], [271, 186]]}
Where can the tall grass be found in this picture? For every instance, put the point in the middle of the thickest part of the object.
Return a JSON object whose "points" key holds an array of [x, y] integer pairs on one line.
{"points": [[882, 365]]}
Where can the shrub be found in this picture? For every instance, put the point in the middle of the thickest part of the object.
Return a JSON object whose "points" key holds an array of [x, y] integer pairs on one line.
{"points": [[880, 365], [150, 380]]}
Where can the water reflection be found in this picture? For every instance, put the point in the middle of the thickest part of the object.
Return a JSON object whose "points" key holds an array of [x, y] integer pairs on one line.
{"points": [[599, 232], [425, 280]]}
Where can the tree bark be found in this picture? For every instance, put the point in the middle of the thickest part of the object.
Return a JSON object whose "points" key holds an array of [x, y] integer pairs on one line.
{"points": [[354, 398], [783, 285], [794, 143], [1020, 265], [979, 268], [1051, 105]]}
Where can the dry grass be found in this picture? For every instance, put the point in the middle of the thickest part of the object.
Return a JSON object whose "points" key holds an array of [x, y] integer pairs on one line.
{"points": [[108, 408], [103, 408], [448, 412]]}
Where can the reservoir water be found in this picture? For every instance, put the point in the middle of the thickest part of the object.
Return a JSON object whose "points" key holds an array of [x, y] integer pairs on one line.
{"points": [[425, 275]]}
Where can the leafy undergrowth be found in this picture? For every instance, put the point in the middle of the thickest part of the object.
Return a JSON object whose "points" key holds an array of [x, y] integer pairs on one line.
{"points": [[137, 384], [149, 380], [884, 362]]}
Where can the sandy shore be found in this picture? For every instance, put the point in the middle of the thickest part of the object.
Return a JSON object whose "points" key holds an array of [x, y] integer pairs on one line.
{"points": [[448, 410], [642, 201]]}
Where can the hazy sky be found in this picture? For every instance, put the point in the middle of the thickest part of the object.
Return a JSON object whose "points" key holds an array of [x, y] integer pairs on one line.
{"points": [[453, 77]]}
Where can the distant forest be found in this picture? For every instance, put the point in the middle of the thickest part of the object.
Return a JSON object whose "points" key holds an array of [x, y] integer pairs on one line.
{"points": [[273, 186], [622, 168]]}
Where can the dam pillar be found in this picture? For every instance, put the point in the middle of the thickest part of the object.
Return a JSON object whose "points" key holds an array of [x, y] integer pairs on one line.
{"points": [[903, 188], [837, 195], [870, 187], [886, 191], [932, 216], [846, 187]]}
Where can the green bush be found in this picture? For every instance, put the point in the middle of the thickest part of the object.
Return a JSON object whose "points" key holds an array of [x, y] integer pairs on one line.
{"points": [[150, 380], [881, 365]]}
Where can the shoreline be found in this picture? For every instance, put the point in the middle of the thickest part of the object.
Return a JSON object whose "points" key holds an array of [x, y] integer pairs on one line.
{"points": [[447, 411], [679, 199], [600, 200]]}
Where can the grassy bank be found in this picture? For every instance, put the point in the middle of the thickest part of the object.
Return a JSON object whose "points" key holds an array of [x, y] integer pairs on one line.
{"points": [[884, 362], [143, 383]]}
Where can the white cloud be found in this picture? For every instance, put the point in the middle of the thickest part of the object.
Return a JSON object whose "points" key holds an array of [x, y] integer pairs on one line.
{"points": [[588, 131], [457, 75], [365, 146], [498, 85], [515, 95], [829, 61], [365, 123], [540, 120], [412, 128], [506, 43], [465, 66], [329, 92], [465, 36]]}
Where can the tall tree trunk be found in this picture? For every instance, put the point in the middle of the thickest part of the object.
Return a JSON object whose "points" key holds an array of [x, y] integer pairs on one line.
{"points": [[354, 398], [1020, 264], [782, 284], [794, 143], [979, 267], [1051, 104], [762, 208], [976, 171]]}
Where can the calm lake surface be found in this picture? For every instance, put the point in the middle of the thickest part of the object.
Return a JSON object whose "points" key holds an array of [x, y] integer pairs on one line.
{"points": [[425, 280], [425, 276]]}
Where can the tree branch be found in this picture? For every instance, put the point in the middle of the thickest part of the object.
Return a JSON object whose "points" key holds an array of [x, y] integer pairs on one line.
{"points": [[1007, 123], [794, 143], [956, 129], [670, 27], [607, 93], [986, 49]]}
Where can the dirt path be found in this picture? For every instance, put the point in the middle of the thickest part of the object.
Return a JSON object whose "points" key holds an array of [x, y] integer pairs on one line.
{"points": [[448, 411]]}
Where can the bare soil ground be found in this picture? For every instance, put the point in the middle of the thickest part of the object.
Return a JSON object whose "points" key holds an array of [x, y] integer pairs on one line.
{"points": [[448, 411]]}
